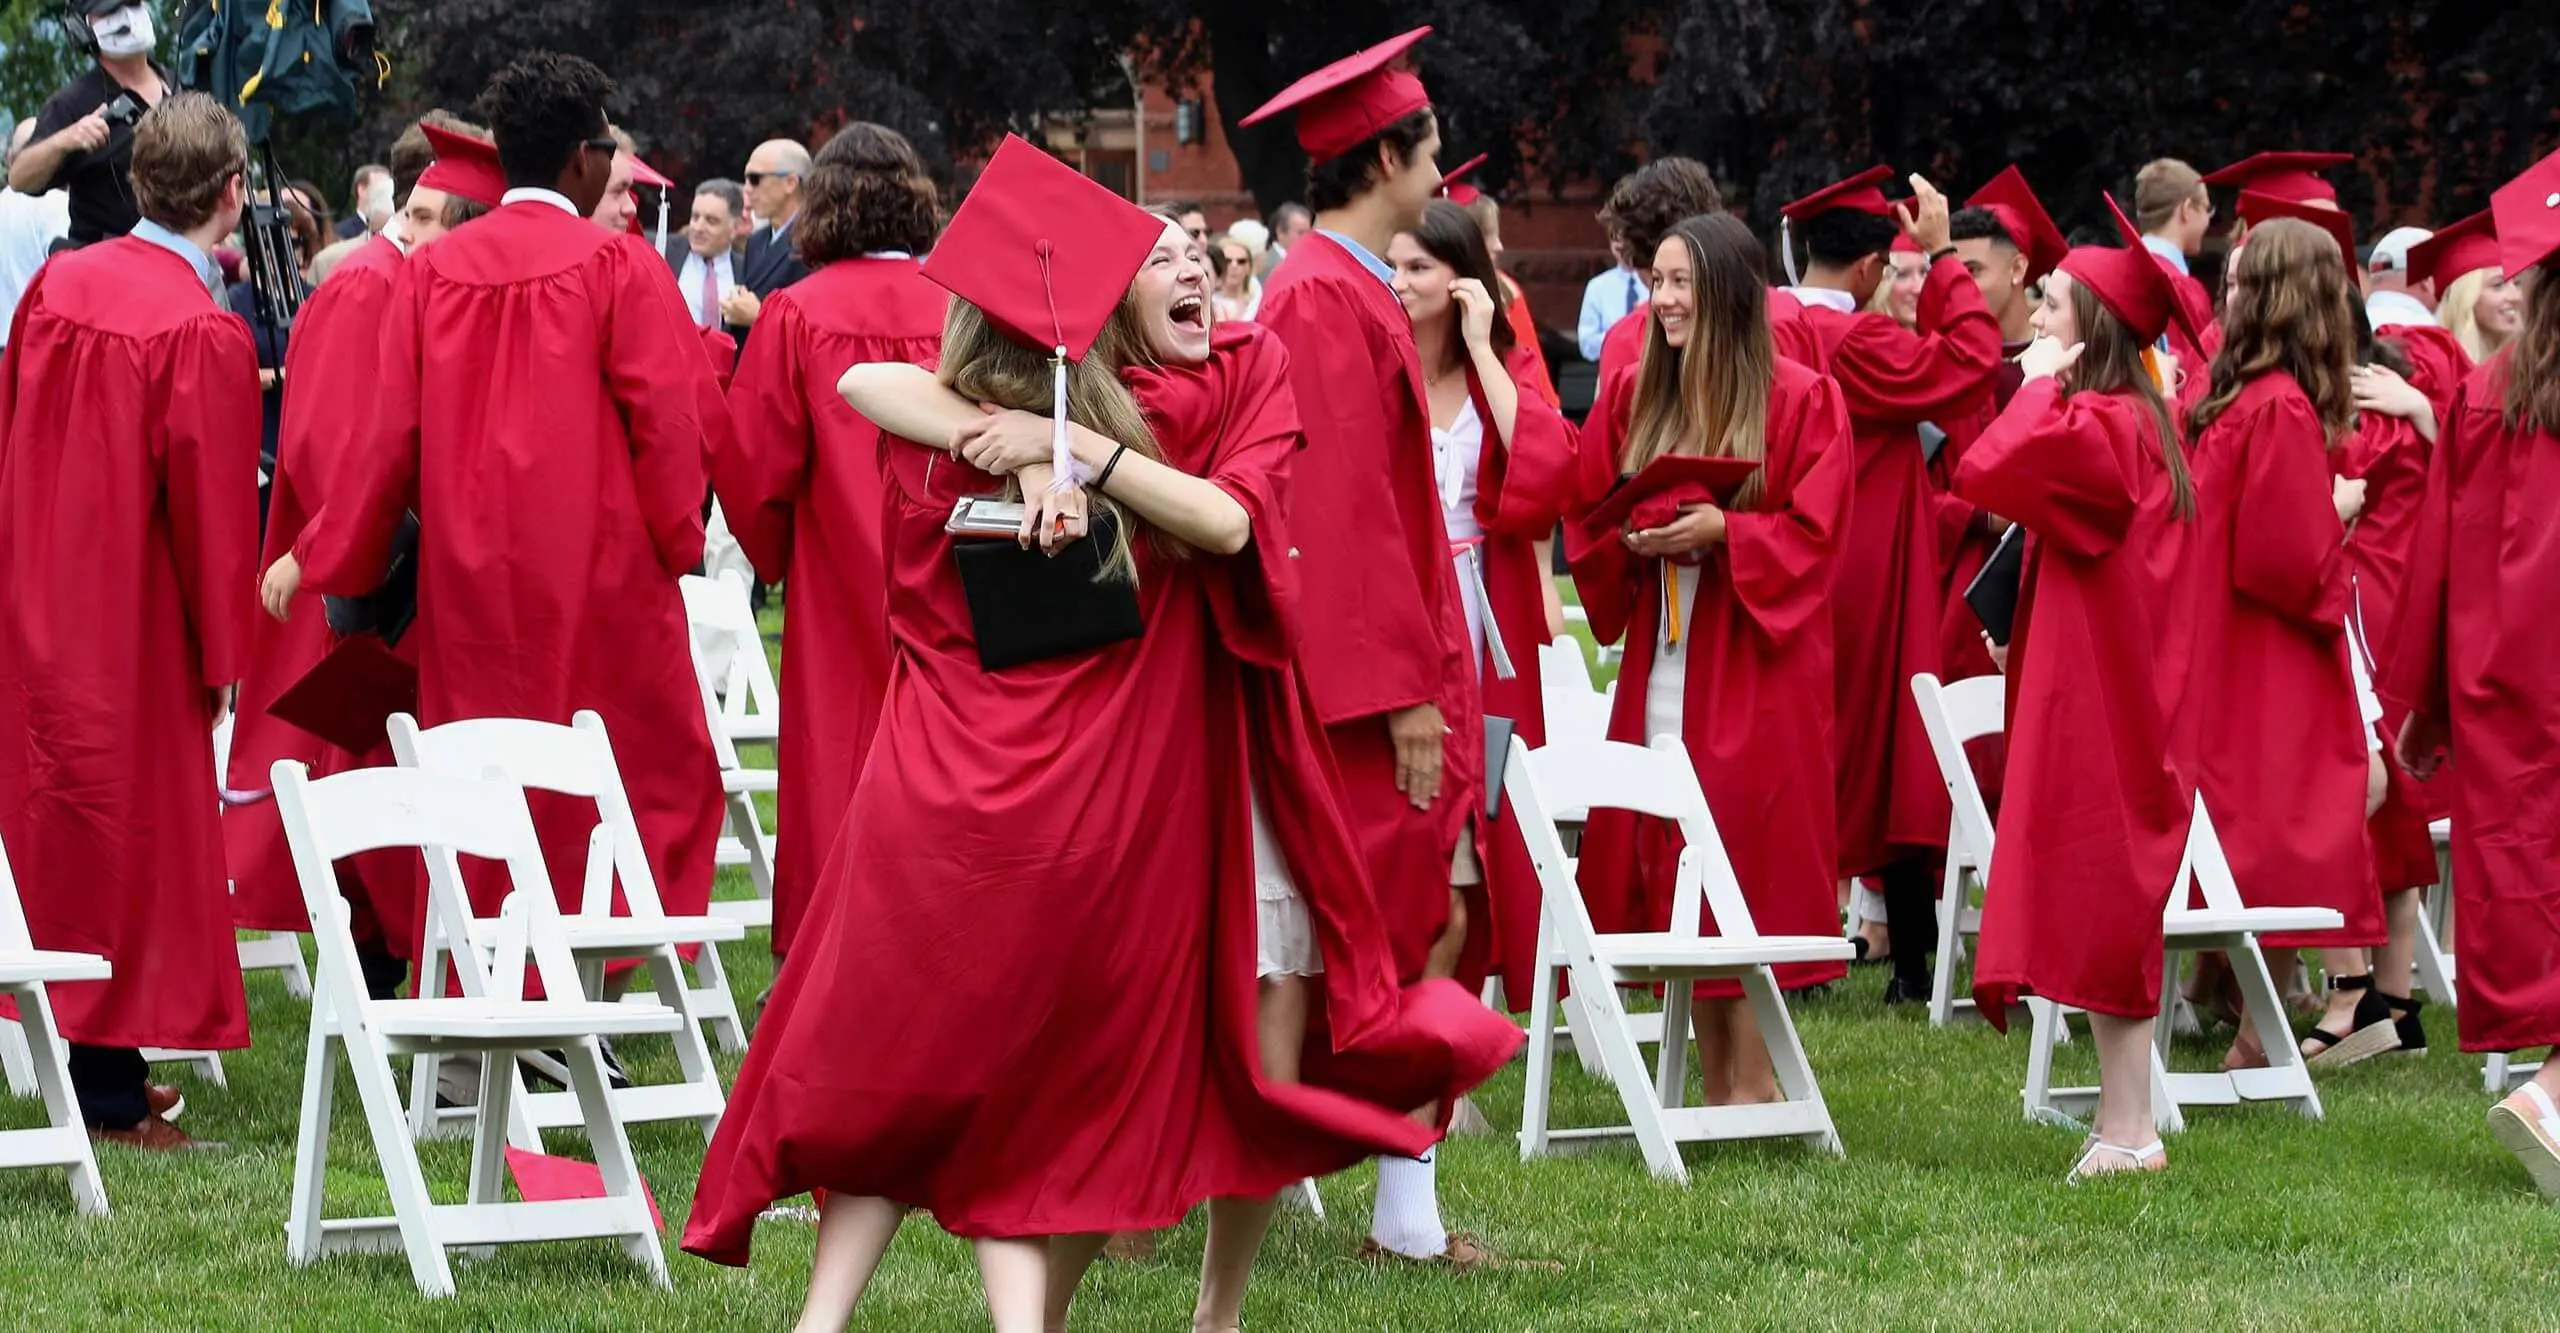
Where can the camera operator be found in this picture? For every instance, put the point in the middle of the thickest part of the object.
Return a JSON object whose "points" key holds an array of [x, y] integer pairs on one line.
{"points": [[84, 137]]}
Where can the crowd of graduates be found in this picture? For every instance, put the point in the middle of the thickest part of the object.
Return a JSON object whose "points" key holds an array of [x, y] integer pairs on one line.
{"points": [[1147, 670]]}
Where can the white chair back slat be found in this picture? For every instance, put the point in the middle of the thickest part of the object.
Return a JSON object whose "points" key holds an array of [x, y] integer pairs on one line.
{"points": [[576, 761], [13, 914], [2205, 869], [1576, 710], [1954, 714]]}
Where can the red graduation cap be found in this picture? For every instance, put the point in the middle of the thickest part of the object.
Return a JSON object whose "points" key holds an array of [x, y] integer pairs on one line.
{"points": [[2527, 214], [1904, 245], [1455, 189], [542, 1178], [1045, 251], [466, 167], [644, 174], [349, 695], [2288, 176], [2464, 247], [2022, 215], [1858, 194], [2256, 208], [2130, 282], [1343, 104]]}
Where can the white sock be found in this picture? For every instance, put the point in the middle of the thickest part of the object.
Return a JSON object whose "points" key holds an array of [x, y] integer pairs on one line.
{"points": [[1408, 1214]]}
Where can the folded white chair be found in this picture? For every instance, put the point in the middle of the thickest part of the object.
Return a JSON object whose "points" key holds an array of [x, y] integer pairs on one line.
{"points": [[39, 1056], [2205, 914], [743, 704], [575, 761], [1954, 714], [444, 818], [1656, 781]]}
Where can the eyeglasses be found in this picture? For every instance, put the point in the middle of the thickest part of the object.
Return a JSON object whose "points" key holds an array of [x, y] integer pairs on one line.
{"points": [[756, 178]]}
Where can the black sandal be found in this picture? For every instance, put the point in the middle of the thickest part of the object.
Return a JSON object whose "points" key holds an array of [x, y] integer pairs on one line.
{"points": [[2404, 1018], [2370, 1031]]}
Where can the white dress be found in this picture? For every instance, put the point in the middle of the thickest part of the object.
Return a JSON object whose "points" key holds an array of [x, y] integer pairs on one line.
{"points": [[1454, 454]]}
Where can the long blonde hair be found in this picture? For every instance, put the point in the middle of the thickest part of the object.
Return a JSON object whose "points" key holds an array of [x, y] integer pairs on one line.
{"points": [[983, 365], [1711, 398], [2458, 310]]}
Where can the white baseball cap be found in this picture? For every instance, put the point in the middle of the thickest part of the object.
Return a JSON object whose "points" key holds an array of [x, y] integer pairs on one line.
{"points": [[2391, 253]]}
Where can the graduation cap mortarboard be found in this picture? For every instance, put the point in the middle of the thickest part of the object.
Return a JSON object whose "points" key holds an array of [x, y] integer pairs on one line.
{"points": [[349, 695], [2022, 215], [644, 174], [2526, 211], [466, 167], [1858, 194], [1453, 185], [2130, 282], [2258, 208], [1345, 103], [2464, 247], [2288, 176], [1046, 253]]}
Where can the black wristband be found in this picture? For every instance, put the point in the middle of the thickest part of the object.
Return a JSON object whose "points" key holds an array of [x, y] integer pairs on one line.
{"points": [[1104, 477], [1936, 255]]}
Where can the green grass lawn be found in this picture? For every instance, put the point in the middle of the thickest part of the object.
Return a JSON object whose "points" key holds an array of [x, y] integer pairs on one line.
{"points": [[2398, 1211]]}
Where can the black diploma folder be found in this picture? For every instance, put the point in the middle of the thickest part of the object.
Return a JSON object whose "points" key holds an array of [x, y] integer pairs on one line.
{"points": [[1993, 594], [1026, 605]]}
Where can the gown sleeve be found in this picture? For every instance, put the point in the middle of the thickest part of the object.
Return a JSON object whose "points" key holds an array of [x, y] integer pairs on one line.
{"points": [[346, 547], [2288, 551], [2415, 678], [1903, 377], [2059, 466], [1522, 486], [759, 474], [1782, 555], [1604, 571], [1252, 601], [331, 363], [209, 435], [657, 375]]}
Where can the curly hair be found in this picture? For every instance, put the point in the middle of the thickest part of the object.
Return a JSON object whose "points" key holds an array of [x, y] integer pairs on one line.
{"points": [[185, 152], [1649, 201], [542, 110], [867, 191], [2292, 309]]}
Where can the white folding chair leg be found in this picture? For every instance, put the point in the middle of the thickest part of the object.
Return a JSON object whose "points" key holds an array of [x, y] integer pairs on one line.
{"points": [[1303, 1194], [2502, 1073], [278, 951], [302, 1229], [622, 1181], [2435, 962], [1943, 1001], [206, 1064], [1578, 1031], [1540, 1074], [15, 1063], [1623, 1061], [2286, 1078], [1787, 1058], [1671, 1058], [715, 1006], [64, 1141]]}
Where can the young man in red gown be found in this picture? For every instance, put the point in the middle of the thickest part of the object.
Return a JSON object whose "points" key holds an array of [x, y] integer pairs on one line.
{"points": [[129, 500], [1885, 606], [544, 409], [1389, 663]]}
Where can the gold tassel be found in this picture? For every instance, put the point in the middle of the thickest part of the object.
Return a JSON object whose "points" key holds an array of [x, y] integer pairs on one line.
{"points": [[1670, 604]]}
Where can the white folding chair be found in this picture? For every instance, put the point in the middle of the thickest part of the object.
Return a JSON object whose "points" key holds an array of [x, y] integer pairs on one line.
{"points": [[42, 1058], [576, 761], [445, 818], [2205, 914], [261, 951], [743, 704], [1576, 710], [2435, 922], [1955, 714], [1656, 781], [722, 556]]}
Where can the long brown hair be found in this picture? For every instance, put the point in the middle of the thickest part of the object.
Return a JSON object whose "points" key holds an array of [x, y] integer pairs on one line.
{"points": [[982, 365], [2533, 356], [1712, 397], [1448, 233], [2111, 361], [2294, 311]]}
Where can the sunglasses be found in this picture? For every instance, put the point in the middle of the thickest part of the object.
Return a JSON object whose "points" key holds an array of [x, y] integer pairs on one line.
{"points": [[756, 178], [605, 146]]}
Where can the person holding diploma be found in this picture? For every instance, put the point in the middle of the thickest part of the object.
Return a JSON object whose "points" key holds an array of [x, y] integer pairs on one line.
{"points": [[1504, 457], [1724, 602], [2086, 458], [1127, 836]]}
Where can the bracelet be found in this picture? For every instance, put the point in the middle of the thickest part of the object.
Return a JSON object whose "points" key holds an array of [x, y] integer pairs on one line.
{"points": [[1105, 478], [1937, 255]]}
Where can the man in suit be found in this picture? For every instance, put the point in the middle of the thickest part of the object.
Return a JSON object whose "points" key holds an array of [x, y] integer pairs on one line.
{"points": [[775, 173], [372, 186], [705, 258]]}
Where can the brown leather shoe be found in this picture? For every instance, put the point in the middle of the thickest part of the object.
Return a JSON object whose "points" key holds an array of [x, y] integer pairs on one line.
{"points": [[164, 1100], [153, 1134], [1467, 1253]]}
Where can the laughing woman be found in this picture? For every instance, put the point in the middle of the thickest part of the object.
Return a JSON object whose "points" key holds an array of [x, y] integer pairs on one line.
{"points": [[1064, 840]]}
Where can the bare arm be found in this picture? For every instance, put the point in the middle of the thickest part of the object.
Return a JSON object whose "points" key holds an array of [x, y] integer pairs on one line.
{"points": [[907, 401]]}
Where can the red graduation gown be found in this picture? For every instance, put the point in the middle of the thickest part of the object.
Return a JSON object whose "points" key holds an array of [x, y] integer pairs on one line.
{"points": [[1886, 604], [2478, 649], [802, 490], [1964, 544], [2194, 358], [1756, 707], [128, 531], [2093, 828], [1521, 492], [1393, 633], [1095, 882], [2269, 728], [329, 412], [544, 407]]}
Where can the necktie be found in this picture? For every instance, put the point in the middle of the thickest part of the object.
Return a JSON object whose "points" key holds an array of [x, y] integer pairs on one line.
{"points": [[710, 316], [1635, 294]]}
